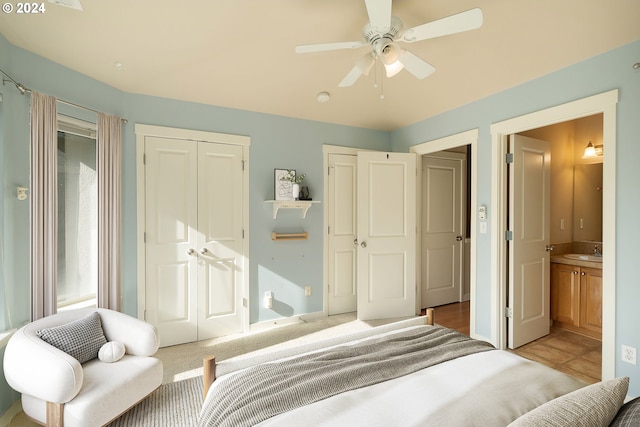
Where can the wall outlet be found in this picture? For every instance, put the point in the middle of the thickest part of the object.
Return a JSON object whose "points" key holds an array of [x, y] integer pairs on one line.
{"points": [[628, 354], [307, 291], [268, 299]]}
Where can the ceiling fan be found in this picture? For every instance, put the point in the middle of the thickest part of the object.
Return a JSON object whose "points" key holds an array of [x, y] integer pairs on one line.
{"points": [[384, 31]]}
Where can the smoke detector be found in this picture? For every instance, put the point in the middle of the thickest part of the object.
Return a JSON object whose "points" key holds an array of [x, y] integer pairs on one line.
{"points": [[323, 97]]}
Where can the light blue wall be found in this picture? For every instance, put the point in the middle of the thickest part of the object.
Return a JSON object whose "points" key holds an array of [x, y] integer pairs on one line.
{"points": [[612, 70], [276, 142]]}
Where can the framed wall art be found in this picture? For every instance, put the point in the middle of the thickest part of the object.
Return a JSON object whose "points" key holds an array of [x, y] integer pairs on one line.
{"points": [[282, 186]]}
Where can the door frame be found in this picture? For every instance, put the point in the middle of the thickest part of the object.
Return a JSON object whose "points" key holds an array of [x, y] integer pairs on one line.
{"points": [[142, 131], [605, 104], [469, 137]]}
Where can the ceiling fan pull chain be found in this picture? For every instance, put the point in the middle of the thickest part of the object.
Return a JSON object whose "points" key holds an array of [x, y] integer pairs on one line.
{"points": [[381, 79]]}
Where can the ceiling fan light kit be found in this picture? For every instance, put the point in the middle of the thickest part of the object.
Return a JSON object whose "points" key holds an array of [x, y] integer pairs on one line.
{"points": [[382, 34]]}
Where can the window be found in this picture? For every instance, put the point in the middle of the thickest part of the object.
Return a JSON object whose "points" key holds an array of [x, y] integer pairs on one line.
{"points": [[77, 188]]}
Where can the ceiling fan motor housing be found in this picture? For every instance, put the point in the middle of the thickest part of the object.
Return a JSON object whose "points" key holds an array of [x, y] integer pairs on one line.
{"points": [[372, 34]]}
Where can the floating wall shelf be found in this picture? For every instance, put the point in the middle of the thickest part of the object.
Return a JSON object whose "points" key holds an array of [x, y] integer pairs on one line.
{"points": [[303, 205]]}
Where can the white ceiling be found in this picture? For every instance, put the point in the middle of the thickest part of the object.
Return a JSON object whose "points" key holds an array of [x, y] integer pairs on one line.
{"points": [[240, 53]]}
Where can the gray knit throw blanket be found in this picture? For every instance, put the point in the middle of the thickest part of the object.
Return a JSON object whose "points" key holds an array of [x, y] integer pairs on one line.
{"points": [[263, 391]]}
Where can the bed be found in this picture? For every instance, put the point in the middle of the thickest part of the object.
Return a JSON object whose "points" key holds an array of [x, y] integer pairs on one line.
{"points": [[409, 373]]}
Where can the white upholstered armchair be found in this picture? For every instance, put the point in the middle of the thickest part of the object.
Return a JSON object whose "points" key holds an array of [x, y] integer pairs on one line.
{"points": [[57, 389]]}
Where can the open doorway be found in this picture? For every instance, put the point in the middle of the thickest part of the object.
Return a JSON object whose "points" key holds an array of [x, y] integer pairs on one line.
{"points": [[572, 342], [461, 146], [445, 222], [604, 104]]}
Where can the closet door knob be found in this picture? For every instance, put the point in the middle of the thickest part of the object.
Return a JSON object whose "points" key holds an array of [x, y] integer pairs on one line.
{"points": [[204, 251], [191, 252]]}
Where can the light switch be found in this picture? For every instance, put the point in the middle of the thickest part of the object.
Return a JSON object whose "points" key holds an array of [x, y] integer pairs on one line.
{"points": [[483, 227]]}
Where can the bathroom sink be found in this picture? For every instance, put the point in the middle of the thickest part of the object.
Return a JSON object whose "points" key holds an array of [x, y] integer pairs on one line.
{"points": [[583, 257]]}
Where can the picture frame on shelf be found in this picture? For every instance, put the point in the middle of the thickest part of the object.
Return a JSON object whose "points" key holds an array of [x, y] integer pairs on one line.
{"points": [[282, 188]]}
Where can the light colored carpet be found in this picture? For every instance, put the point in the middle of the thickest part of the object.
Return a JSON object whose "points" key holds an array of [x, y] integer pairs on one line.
{"points": [[183, 367]]}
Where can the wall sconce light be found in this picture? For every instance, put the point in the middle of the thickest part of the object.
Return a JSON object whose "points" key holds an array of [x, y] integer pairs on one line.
{"points": [[591, 151]]}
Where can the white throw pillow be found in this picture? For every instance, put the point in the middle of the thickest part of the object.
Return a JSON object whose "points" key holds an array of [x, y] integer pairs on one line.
{"points": [[111, 352], [592, 406]]}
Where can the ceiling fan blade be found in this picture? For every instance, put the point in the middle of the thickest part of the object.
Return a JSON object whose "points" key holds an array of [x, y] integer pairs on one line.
{"points": [[464, 21], [363, 66], [415, 65], [379, 14], [321, 47]]}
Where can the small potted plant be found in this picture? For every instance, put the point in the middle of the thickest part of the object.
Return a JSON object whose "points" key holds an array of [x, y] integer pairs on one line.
{"points": [[295, 182]]}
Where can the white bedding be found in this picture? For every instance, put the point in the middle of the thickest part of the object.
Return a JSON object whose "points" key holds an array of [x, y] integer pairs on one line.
{"points": [[483, 389], [490, 388]]}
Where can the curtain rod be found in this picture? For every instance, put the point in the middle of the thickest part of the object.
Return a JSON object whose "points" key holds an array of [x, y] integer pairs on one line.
{"points": [[22, 89]]}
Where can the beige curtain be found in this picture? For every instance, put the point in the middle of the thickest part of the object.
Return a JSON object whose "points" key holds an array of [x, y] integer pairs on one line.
{"points": [[109, 210], [44, 205]]}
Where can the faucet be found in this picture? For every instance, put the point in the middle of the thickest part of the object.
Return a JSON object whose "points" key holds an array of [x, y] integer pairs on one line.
{"points": [[597, 251]]}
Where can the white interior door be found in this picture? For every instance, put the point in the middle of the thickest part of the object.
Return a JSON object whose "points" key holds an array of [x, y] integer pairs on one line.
{"points": [[220, 245], [442, 232], [194, 239], [386, 235], [171, 238], [529, 259], [342, 211]]}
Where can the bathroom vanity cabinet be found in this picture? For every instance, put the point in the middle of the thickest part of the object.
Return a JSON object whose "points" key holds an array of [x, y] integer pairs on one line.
{"points": [[576, 298]]}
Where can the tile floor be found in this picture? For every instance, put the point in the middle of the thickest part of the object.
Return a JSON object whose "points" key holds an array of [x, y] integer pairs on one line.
{"points": [[565, 351], [574, 354]]}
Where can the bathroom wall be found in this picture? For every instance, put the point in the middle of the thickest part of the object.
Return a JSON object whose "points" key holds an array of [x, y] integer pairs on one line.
{"points": [[561, 137], [568, 140]]}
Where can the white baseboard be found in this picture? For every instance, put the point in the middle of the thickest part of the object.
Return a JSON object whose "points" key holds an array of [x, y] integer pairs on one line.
{"points": [[14, 410], [284, 321]]}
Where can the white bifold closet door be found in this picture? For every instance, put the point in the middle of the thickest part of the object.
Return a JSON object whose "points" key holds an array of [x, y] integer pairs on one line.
{"points": [[194, 248]]}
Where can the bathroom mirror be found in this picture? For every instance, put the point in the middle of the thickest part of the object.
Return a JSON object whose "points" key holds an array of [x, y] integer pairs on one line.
{"points": [[587, 202]]}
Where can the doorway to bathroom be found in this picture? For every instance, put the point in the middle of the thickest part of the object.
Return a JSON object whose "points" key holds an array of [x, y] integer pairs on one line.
{"points": [[573, 275], [603, 105]]}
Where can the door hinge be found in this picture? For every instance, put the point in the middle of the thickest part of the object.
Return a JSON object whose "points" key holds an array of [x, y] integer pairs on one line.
{"points": [[245, 303], [144, 315], [508, 158], [144, 237], [144, 158], [328, 170], [508, 235], [508, 312], [243, 233], [243, 164], [329, 230]]}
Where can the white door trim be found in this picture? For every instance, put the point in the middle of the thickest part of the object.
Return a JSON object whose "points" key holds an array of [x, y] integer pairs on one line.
{"points": [[143, 131], [604, 103], [469, 137]]}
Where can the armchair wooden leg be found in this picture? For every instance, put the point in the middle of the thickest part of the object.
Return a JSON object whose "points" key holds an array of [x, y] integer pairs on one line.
{"points": [[55, 414]]}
